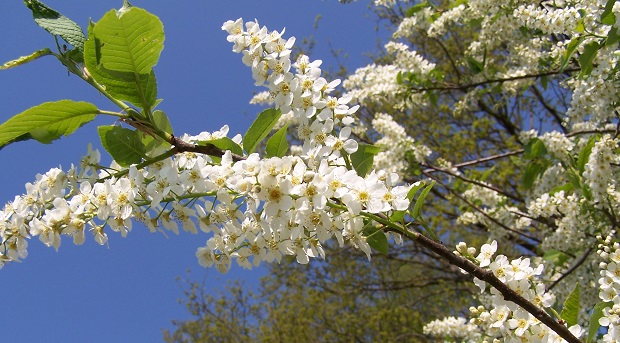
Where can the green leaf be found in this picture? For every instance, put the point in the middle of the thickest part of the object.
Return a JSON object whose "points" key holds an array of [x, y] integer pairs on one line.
{"points": [[416, 8], [420, 201], [124, 145], [556, 257], [585, 59], [224, 143], [26, 59], [160, 119], [532, 171], [57, 24], [363, 158], [414, 190], [397, 216], [260, 128], [474, 65], [597, 313], [534, 148], [376, 238], [47, 122], [584, 154], [613, 37], [121, 50], [277, 145], [570, 50], [608, 17], [570, 310], [569, 187]]}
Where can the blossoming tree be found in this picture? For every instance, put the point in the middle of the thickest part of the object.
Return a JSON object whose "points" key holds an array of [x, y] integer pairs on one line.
{"points": [[355, 176]]}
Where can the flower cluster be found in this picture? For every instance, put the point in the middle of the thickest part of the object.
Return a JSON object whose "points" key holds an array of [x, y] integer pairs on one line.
{"points": [[609, 283], [504, 319], [254, 209]]}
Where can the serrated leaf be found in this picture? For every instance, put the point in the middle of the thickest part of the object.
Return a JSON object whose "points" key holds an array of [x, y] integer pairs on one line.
{"points": [[48, 121], [57, 24], [124, 145], [260, 128], [224, 144], [121, 51], [556, 257], [376, 239], [587, 57], [277, 145], [362, 159], [597, 313], [570, 310], [25, 59], [420, 200]]}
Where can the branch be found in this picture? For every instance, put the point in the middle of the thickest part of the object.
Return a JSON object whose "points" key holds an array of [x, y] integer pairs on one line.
{"points": [[486, 82], [209, 149]]}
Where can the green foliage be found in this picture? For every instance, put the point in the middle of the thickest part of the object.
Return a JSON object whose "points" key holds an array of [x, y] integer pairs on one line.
{"points": [[260, 128], [121, 51], [57, 24], [277, 145], [160, 120], [125, 145], [362, 159], [570, 310], [224, 144], [597, 313], [417, 207], [375, 237], [47, 122]]}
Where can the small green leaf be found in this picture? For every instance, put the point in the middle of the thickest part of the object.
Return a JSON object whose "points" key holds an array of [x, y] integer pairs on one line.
{"points": [[532, 171], [277, 145], [397, 216], [581, 26], [534, 148], [584, 154], [569, 187], [376, 239], [608, 17], [420, 201], [556, 257], [416, 8], [363, 158], [57, 24], [613, 37], [587, 57], [570, 50], [224, 144], [26, 59], [474, 65], [597, 313], [124, 145], [260, 128], [47, 122], [570, 310], [414, 190]]}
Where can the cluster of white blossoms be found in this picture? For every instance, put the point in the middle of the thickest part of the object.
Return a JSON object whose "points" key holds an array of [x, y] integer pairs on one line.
{"points": [[609, 284], [254, 209], [505, 320], [452, 329]]}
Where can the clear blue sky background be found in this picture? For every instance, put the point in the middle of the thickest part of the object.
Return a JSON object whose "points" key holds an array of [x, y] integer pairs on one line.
{"points": [[128, 292]]}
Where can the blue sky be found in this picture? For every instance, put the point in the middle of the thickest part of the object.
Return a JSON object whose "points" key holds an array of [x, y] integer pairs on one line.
{"points": [[127, 292]]}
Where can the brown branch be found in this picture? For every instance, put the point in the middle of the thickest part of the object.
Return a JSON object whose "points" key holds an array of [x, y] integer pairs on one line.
{"points": [[208, 149], [488, 277], [486, 82]]}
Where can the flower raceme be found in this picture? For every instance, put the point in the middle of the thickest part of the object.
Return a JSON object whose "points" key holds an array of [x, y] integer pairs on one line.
{"points": [[255, 209]]}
